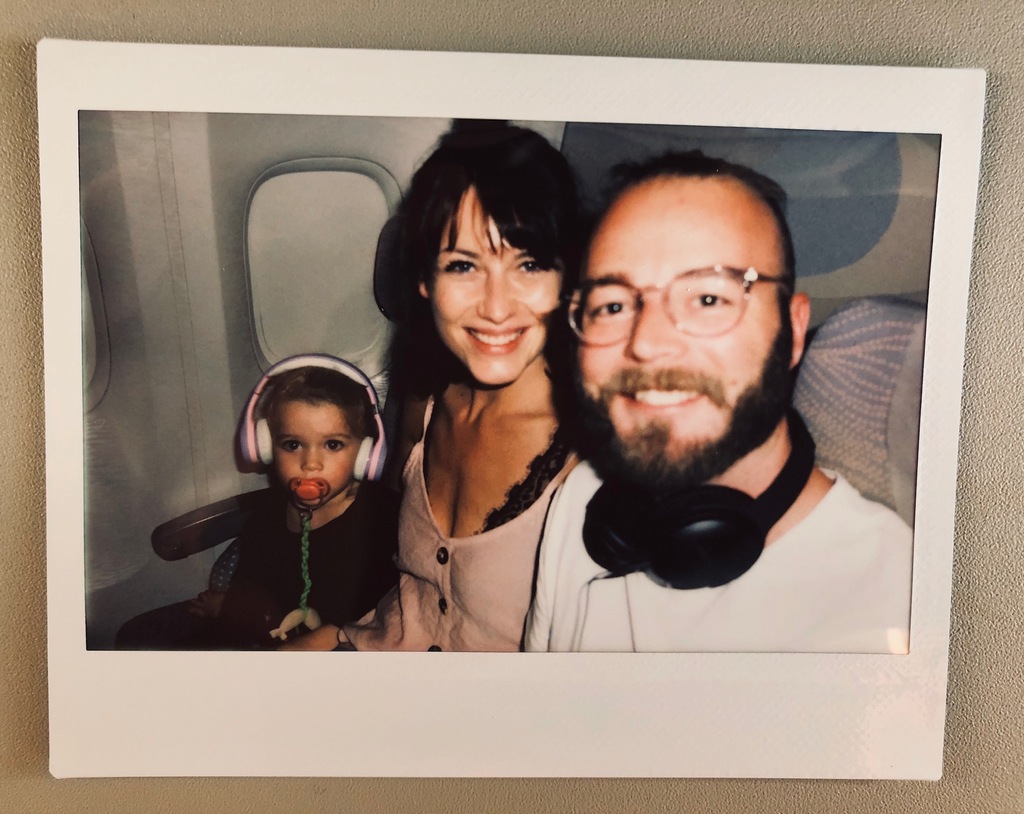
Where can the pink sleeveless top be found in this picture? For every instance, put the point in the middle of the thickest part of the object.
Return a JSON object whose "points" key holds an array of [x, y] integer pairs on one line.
{"points": [[455, 593]]}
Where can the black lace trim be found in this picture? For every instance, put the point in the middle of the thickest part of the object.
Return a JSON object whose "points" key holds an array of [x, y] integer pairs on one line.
{"points": [[543, 469]]}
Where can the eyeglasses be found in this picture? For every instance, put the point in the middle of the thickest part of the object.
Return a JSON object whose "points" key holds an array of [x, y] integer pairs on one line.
{"points": [[701, 302]]}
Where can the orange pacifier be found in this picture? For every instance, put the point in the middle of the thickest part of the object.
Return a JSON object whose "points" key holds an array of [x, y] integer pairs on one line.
{"points": [[309, 493]]}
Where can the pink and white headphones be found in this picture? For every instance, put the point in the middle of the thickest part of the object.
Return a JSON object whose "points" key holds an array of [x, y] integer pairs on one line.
{"points": [[254, 438]]}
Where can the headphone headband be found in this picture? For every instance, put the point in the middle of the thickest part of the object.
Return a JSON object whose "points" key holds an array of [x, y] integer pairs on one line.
{"points": [[254, 434]]}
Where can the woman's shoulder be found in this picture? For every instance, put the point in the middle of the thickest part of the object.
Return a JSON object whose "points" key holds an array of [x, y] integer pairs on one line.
{"points": [[412, 420], [416, 412]]}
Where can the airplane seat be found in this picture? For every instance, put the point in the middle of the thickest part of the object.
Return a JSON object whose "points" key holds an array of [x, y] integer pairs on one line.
{"points": [[385, 267], [859, 390], [175, 627]]}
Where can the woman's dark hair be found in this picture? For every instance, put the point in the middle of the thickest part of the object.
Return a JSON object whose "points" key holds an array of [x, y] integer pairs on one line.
{"points": [[526, 187]]}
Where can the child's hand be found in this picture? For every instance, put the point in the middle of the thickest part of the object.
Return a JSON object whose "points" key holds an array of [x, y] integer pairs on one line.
{"points": [[325, 637], [207, 604]]}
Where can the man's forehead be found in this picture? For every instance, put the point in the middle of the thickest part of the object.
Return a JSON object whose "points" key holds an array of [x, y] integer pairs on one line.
{"points": [[688, 221]]}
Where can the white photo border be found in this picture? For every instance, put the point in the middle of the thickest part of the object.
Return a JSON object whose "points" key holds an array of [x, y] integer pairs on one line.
{"points": [[391, 714]]}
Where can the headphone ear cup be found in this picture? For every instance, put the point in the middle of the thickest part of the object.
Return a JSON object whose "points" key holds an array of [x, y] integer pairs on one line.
{"points": [[612, 534], [697, 538], [361, 469], [264, 442], [707, 537]]}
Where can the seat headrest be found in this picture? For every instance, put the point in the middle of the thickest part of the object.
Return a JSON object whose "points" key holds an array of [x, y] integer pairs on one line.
{"points": [[859, 390], [385, 268]]}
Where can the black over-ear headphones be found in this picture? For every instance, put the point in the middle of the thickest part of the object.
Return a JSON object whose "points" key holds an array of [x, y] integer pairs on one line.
{"points": [[694, 538]]}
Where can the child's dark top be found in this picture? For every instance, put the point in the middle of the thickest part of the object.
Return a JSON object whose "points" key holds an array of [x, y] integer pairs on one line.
{"points": [[351, 566]]}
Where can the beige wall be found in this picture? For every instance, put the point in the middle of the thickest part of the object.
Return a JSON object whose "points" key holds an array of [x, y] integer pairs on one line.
{"points": [[984, 766]]}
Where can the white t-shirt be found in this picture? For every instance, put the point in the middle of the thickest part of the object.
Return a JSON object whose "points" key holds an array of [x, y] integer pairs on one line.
{"points": [[838, 582]]}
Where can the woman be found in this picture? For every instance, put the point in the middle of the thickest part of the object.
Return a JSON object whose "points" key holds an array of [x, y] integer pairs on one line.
{"points": [[489, 228]]}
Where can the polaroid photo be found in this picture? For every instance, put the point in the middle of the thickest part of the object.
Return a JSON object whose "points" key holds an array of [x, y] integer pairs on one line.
{"points": [[210, 211]]}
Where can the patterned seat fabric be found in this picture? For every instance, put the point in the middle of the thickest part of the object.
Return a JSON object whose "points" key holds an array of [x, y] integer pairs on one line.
{"points": [[859, 390], [224, 567]]}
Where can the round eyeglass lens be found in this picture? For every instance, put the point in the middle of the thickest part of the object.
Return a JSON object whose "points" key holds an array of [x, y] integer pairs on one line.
{"points": [[604, 313], [706, 302]]}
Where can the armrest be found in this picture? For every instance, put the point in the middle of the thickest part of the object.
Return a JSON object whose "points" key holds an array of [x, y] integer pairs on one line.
{"points": [[206, 526]]}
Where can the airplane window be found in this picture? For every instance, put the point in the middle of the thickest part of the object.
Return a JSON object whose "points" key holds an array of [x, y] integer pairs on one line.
{"points": [[95, 347], [88, 335], [311, 240]]}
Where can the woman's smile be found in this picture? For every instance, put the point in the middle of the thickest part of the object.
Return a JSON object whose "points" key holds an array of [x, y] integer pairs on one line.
{"points": [[492, 342]]}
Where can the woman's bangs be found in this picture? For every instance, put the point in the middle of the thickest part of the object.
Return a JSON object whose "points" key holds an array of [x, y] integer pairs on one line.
{"points": [[525, 222]]}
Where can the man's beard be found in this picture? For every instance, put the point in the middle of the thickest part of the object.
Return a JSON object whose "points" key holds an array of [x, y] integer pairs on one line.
{"points": [[646, 459]]}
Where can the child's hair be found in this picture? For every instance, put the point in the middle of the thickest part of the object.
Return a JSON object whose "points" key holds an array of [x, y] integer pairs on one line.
{"points": [[319, 385]]}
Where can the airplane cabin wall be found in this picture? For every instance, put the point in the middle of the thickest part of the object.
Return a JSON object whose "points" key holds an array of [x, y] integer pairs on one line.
{"points": [[138, 437]]}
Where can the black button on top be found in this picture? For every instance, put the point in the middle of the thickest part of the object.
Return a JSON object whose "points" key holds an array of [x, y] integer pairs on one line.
{"points": [[433, 649], [442, 555], [442, 603]]}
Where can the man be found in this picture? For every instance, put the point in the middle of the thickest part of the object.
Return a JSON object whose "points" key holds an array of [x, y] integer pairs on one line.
{"points": [[713, 529]]}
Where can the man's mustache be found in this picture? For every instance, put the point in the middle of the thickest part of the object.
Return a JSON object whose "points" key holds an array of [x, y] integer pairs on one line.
{"points": [[636, 379]]}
